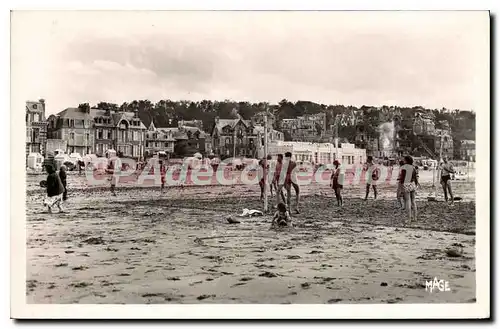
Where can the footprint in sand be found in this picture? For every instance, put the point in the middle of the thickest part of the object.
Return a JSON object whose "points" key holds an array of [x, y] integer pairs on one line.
{"points": [[202, 297], [245, 279], [80, 284], [124, 274], [79, 268], [334, 300], [61, 265], [238, 284]]}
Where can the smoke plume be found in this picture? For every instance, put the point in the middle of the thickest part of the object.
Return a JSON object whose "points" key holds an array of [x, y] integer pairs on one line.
{"points": [[386, 133]]}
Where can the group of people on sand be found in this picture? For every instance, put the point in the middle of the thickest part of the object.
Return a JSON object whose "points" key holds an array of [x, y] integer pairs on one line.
{"points": [[56, 186], [281, 174]]}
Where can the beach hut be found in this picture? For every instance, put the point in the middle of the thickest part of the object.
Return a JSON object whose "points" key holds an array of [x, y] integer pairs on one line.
{"points": [[110, 153], [35, 161]]}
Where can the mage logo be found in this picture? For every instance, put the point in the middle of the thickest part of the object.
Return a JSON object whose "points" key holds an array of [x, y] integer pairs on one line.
{"points": [[439, 285]]}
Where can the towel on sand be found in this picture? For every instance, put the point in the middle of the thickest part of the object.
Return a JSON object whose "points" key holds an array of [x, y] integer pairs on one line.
{"points": [[250, 213]]}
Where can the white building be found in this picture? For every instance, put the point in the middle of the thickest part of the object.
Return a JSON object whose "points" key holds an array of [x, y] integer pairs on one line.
{"points": [[319, 153]]}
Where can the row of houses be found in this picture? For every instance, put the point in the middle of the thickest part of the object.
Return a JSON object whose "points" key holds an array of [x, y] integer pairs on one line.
{"points": [[86, 130], [320, 153]]}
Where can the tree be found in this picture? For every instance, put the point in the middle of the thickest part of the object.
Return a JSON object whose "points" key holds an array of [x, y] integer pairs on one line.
{"points": [[84, 107]]}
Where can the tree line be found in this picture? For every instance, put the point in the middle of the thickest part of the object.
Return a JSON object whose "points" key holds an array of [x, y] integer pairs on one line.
{"points": [[165, 113]]}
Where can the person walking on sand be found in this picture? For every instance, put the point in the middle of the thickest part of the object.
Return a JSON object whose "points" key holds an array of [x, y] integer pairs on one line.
{"points": [[63, 176], [446, 171], [55, 190], [410, 184], [337, 181], [372, 174]]}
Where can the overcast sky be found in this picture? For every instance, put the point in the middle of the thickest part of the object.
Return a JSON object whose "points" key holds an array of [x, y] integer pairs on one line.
{"points": [[433, 59]]}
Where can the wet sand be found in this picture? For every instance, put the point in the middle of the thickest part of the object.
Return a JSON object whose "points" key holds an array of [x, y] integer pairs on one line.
{"points": [[177, 247]]}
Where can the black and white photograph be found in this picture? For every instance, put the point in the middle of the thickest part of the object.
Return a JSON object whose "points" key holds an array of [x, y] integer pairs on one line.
{"points": [[325, 164]]}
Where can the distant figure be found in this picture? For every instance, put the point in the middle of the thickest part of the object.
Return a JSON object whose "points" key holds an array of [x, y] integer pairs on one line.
{"points": [[446, 171], [55, 190], [337, 181], [281, 217], [163, 173], [276, 179], [111, 170], [409, 187], [372, 174], [63, 176]]}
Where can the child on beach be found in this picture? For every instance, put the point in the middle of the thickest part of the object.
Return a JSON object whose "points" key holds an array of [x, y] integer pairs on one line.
{"points": [[55, 190], [282, 217], [63, 176]]}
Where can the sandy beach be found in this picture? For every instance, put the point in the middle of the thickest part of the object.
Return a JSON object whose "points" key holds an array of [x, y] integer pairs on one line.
{"points": [[144, 246]]}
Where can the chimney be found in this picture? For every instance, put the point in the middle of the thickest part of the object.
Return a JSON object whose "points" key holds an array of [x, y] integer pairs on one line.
{"points": [[42, 101]]}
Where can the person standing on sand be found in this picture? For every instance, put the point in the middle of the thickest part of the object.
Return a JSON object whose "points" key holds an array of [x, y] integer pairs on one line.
{"points": [[163, 173], [264, 165], [337, 181], [446, 171], [372, 174], [111, 170], [63, 176], [400, 191], [291, 181], [410, 184], [55, 190], [276, 179]]}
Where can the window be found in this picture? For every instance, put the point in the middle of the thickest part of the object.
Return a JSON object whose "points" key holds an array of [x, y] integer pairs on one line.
{"points": [[71, 135], [100, 134], [35, 117], [35, 106], [87, 136]]}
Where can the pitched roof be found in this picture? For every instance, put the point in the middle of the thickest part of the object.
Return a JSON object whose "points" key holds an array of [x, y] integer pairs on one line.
{"points": [[230, 122], [74, 113]]}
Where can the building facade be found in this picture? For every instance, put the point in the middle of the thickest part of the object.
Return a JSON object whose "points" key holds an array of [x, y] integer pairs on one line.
{"points": [[129, 134], [468, 150], [319, 153], [75, 126], [36, 127], [235, 138], [310, 128], [159, 140], [103, 131]]}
